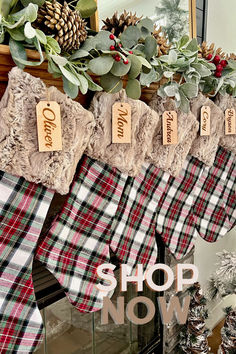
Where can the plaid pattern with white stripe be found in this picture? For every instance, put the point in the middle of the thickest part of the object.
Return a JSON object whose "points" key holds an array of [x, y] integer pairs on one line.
{"points": [[133, 228], [78, 241], [23, 208]]}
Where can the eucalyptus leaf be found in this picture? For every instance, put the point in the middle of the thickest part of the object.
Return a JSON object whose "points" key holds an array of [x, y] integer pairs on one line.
{"points": [[232, 64], [41, 36], [183, 41], [70, 89], [144, 62], [172, 57], [147, 79], [17, 33], [129, 38], [2, 34], [29, 31], [69, 75], [111, 83], [184, 103], [29, 13], [17, 52], [190, 90], [150, 47], [146, 23], [83, 84], [102, 41], [193, 45], [86, 7], [168, 74], [120, 69], [89, 44], [133, 89], [5, 7], [136, 66], [201, 69], [53, 68], [37, 2], [59, 60], [53, 44], [171, 89], [91, 84], [80, 53], [101, 65]]}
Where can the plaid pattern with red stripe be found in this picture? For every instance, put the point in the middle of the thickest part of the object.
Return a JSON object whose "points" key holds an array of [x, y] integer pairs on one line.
{"points": [[175, 223], [133, 228], [78, 241], [23, 208], [210, 212]]}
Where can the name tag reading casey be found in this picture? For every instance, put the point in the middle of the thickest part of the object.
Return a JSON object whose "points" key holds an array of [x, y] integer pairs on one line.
{"points": [[205, 124], [49, 126], [121, 123]]}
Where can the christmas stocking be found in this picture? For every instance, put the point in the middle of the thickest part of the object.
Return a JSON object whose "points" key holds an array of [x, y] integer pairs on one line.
{"points": [[171, 158], [175, 223], [128, 158], [133, 228], [215, 197], [77, 242], [23, 208]]}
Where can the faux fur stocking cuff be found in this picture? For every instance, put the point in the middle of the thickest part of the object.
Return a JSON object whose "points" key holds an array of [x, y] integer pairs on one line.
{"points": [[19, 153], [204, 147], [128, 158], [225, 102], [171, 158]]}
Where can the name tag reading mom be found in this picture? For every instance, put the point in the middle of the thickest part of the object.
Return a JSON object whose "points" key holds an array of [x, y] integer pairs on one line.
{"points": [[170, 128], [121, 123], [49, 126]]}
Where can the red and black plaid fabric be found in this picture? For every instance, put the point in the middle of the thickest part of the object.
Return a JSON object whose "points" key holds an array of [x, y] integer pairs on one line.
{"points": [[133, 228], [78, 241], [23, 208], [215, 197], [175, 223]]}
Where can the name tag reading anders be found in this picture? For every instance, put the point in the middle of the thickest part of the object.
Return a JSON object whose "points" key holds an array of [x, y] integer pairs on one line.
{"points": [[170, 128], [121, 123], [49, 126]]}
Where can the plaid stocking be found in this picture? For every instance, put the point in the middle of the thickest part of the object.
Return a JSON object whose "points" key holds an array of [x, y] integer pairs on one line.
{"points": [[133, 228], [23, 208], [175, 223], [210, 210], [77, 242], [215, 197]]}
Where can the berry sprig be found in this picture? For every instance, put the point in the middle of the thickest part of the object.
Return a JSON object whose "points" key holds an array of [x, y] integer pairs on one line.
{"points": [[118, 48], [220, 64]]}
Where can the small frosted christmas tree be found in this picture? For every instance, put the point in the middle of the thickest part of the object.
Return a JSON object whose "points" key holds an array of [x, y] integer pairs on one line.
{"points": [[222, 284], [193, 337]]}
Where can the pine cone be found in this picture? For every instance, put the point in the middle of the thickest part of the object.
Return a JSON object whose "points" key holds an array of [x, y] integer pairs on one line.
{"points": [[66, 25], [205, 50], [162, 41], [118, 24]]}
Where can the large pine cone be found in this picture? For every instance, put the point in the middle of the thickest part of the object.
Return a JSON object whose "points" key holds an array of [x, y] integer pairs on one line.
{"points": [[205, 50], [66, 25], [118, 24], [162, 42]]}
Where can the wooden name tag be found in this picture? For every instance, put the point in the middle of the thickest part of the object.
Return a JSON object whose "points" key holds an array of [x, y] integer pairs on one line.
{"points": [[170, 128], [121, 123], [205, 124], [230, 126], [49, 126]]}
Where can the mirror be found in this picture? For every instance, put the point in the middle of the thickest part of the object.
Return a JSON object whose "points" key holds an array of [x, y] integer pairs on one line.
{"points": [[177, 17]]}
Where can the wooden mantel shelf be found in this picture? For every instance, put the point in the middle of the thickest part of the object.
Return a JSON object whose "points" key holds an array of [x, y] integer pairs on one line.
{"points": [[6, 64]]}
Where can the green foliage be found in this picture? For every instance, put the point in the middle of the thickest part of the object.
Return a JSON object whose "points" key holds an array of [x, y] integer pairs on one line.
{"points": [[86, 8]]}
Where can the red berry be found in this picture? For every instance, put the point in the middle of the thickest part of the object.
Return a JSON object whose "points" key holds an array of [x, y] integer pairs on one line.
{"points": [[224, 63], [117, 58], [112, 36], [209, 57], [112, 47], [219, 67], [126, 62], [130, 52], [120, 45], [216, 60], [218, 74]]}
